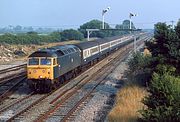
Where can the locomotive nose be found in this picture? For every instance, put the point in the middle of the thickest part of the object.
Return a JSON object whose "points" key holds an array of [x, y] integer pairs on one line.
{"points": [[39, 73]]}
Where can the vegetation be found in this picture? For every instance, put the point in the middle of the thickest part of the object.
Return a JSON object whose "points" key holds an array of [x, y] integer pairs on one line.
{"points": [[166, 46], [162, 104], [128, 99], [139, 62], [71, 35], [95, 24], [31, 37], [124, 25], [35, 38], [163, 101], [128, 102]]}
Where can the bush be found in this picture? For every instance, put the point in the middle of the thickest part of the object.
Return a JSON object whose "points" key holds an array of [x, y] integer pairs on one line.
{"points": [[139, 62], [30, 38], [163, 103]]}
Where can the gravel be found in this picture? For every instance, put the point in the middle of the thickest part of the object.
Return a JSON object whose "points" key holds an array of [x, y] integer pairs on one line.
{"points": [[101, 103]]}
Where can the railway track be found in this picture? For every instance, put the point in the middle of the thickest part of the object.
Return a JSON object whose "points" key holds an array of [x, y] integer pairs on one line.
{"points": [[15, 68], [10, 80], [10, 86], [45, 106], [11, 73], [15, 109]]}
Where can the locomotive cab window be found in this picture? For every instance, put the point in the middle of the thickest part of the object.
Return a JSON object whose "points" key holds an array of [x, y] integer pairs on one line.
{"points": [[34, 61], [45, 61]]}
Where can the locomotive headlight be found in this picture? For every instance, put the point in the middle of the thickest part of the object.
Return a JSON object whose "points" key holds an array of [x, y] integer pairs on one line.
{"points": [[40, 76], [49, 71], [34, 71]]}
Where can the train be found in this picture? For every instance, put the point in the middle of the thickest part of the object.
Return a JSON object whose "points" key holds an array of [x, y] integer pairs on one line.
{"points": [[49, 68]]}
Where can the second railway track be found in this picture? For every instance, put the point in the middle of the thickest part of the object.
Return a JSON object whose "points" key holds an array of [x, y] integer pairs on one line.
{"points": [[14, 68], [10, 86]]}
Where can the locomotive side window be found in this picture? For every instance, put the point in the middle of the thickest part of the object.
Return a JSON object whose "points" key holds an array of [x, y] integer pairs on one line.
{"points": [[76, 49], [45, 61], [34, 61], [69, 51], [65, 51], [72, 50], [60, 53]]}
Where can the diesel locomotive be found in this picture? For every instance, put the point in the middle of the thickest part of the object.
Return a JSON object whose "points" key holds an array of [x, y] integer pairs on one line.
{"points": [[48, 68]]}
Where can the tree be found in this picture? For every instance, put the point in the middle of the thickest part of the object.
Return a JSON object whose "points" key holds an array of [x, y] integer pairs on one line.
{"points": [[177, 28], [71, 34], [164, 91], [163, 103], [124, 25], [95, 24], [56, 36], [166, 44], [18, 28]]}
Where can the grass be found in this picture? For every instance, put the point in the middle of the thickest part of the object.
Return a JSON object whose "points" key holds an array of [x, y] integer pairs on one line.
{"points": [[128, 102]]}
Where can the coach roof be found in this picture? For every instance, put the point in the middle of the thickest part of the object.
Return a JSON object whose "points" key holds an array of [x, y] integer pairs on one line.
{"points": [[86, 45]]}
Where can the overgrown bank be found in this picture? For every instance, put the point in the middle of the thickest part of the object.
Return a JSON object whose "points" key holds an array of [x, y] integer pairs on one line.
{"points": [[162, 101], [128, 99]]}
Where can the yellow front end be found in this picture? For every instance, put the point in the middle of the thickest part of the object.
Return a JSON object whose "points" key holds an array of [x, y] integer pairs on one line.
{"points": [[37, 69]]}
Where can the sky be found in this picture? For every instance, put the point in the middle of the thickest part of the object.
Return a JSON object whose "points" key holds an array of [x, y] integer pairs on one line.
{"points": [[73, 13]]}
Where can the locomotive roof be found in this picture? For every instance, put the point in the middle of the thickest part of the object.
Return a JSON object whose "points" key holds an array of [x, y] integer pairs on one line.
{"points": [[54, 51], [85, 45], [43, 53]]}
